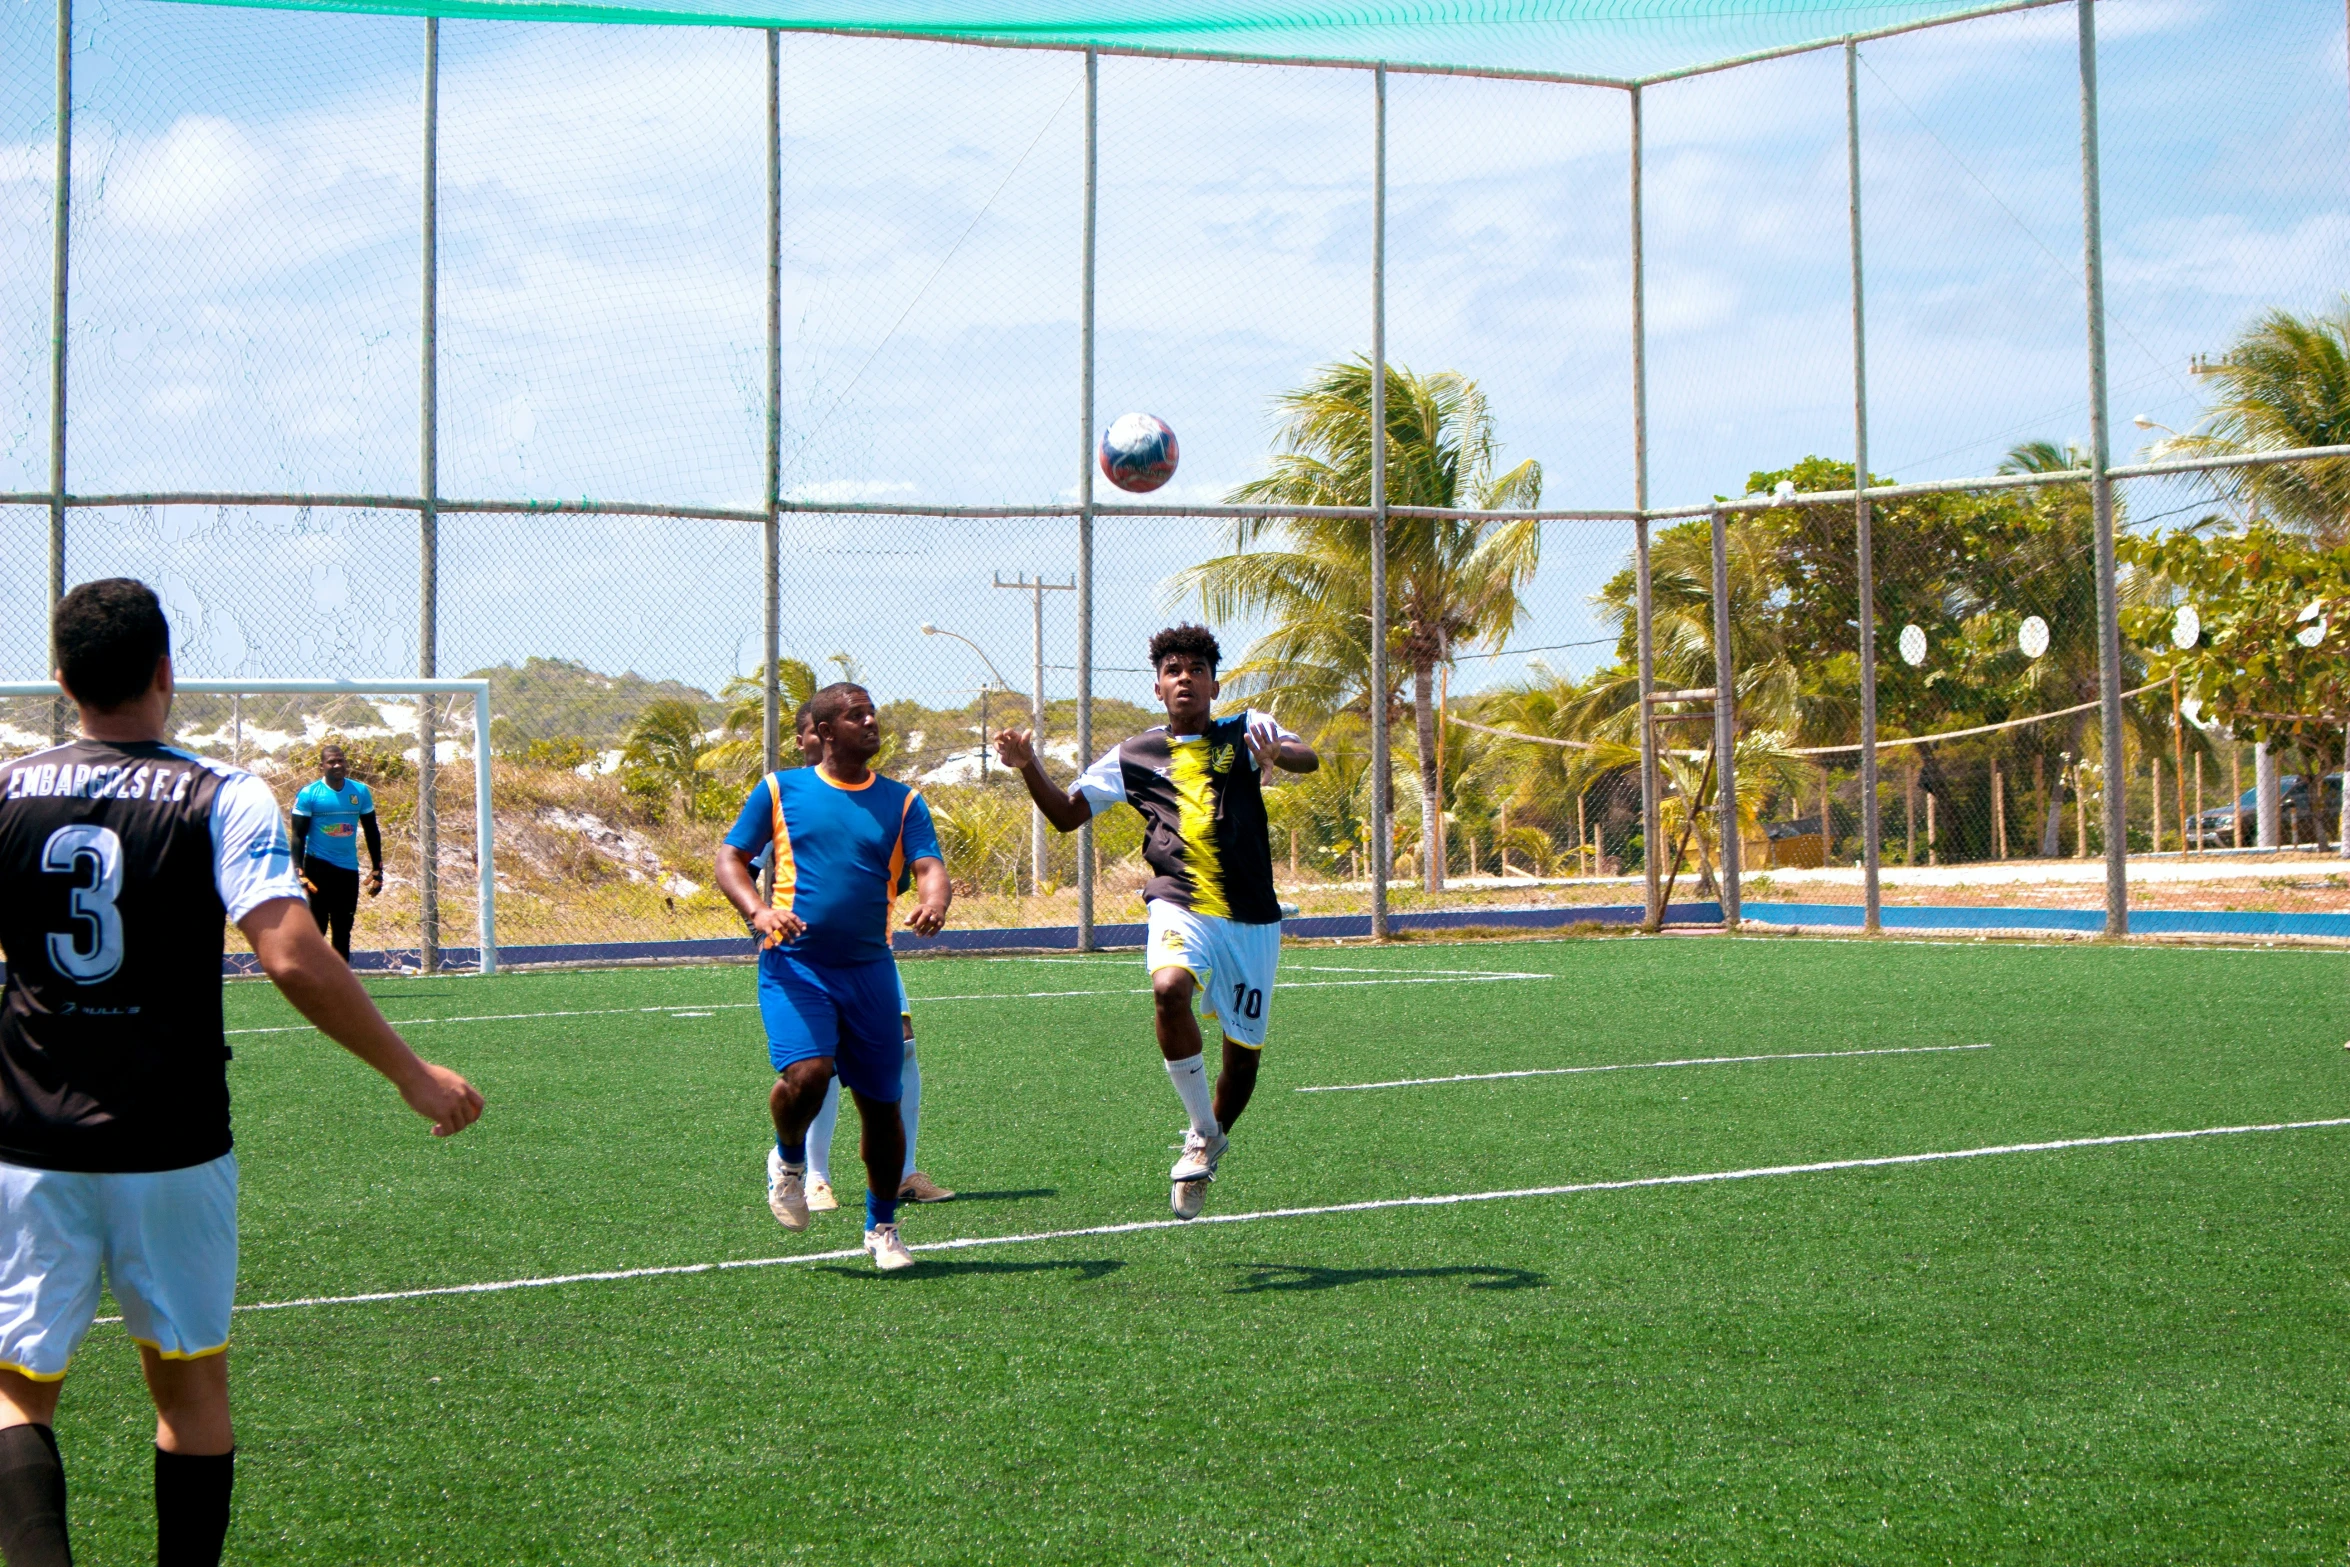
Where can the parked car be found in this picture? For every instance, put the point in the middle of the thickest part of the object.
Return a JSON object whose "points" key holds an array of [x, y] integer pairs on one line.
{"points": [[2216, 828]]}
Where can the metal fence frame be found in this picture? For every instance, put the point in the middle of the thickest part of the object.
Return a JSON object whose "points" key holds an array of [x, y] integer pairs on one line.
{"points": [[429, 504]]}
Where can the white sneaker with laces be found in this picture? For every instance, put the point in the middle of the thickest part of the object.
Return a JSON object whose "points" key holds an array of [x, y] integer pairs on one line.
{"points": [[888, 1252], [787, 1192], [1199, 1157], [821, 1197], [1193, 1172]]}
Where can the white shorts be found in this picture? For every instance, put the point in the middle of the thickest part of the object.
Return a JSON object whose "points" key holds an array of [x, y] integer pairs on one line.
{"points": [[1233, 963], [166, 1241]]}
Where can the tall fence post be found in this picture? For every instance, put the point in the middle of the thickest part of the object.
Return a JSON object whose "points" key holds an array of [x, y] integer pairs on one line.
{"points": [[1382, 771], [1863, 524], [2342, 816], [1651, 814], [485, 924], [1037, 825], [771, 530], [1726, 728], [2109, 636], [428, 542], [1093, 66], [60, 258]]}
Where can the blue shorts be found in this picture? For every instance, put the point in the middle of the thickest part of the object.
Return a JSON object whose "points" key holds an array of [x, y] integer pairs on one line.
{"points": [[848, 1015]]}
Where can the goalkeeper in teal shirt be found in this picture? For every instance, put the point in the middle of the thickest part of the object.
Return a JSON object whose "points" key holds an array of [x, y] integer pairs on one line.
{"points": [[329, 815]]}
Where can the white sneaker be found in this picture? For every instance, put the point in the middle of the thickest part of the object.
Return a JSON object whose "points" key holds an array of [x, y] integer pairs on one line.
{"points": [[1192, 1173], [888, 1252], [787, 1193], [821, 1198], [1199, 1157]]}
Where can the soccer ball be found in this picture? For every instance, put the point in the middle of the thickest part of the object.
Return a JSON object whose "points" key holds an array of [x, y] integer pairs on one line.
{"points": [[1138, 453]]}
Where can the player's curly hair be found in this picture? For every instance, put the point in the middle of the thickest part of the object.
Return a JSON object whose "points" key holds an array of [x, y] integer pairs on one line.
{"points": [[1198, 641], [828, 704]]}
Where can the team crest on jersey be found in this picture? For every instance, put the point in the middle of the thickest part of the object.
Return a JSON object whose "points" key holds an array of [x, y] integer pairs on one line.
{"points": [[1172, 940], [1222, 762]]}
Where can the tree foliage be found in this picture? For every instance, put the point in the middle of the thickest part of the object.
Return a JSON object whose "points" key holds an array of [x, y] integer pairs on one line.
{"points": [[2285, 384], [2270, 661]]}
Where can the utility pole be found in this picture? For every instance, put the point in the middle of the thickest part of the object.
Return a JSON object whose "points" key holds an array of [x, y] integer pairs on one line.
{"points": [[1036, 591]]}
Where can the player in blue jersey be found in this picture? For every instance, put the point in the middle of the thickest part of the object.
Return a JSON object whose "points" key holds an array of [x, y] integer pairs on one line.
{"points": [[913, 1186], [841, 836], [329, 815]]}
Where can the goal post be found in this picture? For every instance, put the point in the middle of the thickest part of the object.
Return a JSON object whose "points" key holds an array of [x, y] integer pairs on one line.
{"points": [[479, 690]]}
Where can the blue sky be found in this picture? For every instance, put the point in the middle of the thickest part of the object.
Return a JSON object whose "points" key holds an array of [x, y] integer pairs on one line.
{"points": [[246, 306]]}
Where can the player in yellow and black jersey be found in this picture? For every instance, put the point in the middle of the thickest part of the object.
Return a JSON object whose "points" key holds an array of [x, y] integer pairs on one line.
{"points": [[1215, 923]]}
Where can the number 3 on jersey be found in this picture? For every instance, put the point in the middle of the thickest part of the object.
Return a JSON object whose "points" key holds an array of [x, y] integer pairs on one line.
{"points": [[90, 954]]}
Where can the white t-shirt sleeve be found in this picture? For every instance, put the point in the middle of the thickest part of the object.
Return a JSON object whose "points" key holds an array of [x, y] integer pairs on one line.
{"points": [[253, 860], [1104, 783]]}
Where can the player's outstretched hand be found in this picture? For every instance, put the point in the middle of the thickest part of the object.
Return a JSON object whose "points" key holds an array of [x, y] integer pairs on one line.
{"points": [[1264, 739], [449, 1102], [775, 926], [928, 919], [1015, 748]]}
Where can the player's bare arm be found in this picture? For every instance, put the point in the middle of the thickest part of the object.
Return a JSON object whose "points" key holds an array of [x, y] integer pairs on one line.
{"points": [[1066, 809], [323, 989], [933, 893], [741, 889]]}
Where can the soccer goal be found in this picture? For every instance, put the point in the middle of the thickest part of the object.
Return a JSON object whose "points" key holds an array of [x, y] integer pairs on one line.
{"points": [[274, 727]]}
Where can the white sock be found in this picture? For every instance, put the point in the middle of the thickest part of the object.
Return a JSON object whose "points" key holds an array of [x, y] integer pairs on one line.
{"points": [[820, 1134], [910, 1104], [1191, 1081]]}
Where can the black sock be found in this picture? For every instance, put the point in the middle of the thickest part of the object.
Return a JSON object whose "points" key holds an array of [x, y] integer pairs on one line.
{"points": [[32, 1499], [191, 1507]]}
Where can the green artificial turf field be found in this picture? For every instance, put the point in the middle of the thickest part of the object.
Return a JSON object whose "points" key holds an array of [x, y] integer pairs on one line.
{"points": [[2124, 1353]]}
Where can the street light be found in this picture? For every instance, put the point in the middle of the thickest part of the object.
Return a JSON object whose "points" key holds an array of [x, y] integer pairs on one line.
{"points": [[985, 736]]}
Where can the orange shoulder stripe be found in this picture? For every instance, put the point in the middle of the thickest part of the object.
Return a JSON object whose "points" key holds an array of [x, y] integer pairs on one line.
{"points": [[785, 868]]}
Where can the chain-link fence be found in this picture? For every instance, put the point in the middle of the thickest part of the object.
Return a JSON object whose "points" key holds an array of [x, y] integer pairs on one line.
{"points": [[978, 255]]}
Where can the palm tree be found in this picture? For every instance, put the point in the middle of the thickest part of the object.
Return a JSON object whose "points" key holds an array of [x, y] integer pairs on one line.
{"points": [[662, 750], [1772, 690], [739, 757], [2285, 384], [1452, 584]]}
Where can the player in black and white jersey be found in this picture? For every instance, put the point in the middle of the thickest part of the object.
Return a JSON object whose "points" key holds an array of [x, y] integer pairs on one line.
{"points": [[121, 859], [1215, 921]]}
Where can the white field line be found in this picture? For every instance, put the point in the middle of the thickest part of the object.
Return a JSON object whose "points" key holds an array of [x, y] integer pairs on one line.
{"points": [[1638, 1066], [701, 1008], [1710, 1177]]}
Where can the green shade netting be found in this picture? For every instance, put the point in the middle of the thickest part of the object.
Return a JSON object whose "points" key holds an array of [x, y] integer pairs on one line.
{"points": [[1613, 39]]}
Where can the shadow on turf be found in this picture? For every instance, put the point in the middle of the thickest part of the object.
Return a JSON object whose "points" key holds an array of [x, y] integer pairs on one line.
{"points": [[935, 1268], [1017, 1194], [1267, 1276]]}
